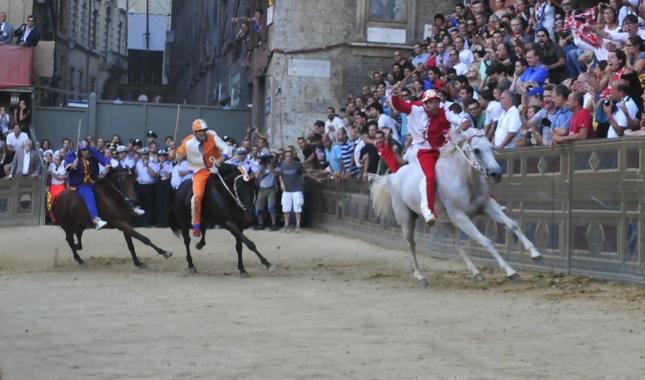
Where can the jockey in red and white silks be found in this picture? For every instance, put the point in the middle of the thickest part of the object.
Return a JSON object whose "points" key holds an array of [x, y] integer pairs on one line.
{"points": [[427, 124]]}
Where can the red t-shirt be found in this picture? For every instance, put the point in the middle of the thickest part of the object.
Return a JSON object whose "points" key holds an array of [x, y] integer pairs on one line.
{"points": [[582, 119], [387, 154]]}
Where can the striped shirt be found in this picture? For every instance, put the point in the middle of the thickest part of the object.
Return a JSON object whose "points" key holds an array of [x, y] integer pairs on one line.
{"points": [[347, 150]]}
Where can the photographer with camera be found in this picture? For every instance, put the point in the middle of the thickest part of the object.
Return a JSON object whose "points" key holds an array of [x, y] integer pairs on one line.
{"points": [[267, 199], [620, 109]]}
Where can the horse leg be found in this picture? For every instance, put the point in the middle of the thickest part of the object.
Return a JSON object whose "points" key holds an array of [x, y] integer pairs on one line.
{"points": [[125, 227], [135, 259], [202, 242], [240, 262], [494, 211], [185, 233], [69, 236], [407, 227], [79, 236], [233, 229], [477, 275], [463, 222]]}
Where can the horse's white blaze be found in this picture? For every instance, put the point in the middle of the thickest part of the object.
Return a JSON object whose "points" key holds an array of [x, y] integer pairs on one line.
{"points": [[460, 188]]}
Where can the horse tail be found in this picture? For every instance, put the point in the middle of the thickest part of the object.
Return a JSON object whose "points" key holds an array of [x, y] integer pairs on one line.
{"points": [[173, 223], [380, 194]]}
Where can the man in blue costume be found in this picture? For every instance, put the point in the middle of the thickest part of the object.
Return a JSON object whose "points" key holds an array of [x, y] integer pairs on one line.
{"points": [[83, 171]]}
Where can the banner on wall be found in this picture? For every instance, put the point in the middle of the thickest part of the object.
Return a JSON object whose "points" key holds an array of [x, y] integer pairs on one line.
{"points": [[15, 66]]}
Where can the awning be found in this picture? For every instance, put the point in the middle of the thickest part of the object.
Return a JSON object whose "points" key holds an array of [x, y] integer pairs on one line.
{"points": [[15, 66]]}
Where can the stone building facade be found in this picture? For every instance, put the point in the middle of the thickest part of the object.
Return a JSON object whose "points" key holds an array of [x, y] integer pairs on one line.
{"points": [[311, 55], [91, 46]]}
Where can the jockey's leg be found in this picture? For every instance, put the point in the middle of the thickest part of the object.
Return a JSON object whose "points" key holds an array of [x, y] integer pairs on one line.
{"points": [[428, 159], [199, 184], [87, 193]]}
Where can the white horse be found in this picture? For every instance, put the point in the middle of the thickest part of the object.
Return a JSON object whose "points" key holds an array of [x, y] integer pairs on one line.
{"points": [[465, 162]]}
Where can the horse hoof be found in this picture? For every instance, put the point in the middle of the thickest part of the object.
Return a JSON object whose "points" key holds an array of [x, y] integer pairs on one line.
{"points": [[244, 275], [200, 245], [423, 282], [166, 254], [514, 277], [537, 259], [480, 277], [270, 268], [192, 270], [141, 266]]}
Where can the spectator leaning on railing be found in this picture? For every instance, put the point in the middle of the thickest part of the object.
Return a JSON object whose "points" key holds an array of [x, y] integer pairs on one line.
{"points": [[25, 162], [6, 29]]}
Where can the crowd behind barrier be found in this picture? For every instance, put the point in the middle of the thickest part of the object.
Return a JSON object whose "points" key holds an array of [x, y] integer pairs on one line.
{"points": [[537, 73]]}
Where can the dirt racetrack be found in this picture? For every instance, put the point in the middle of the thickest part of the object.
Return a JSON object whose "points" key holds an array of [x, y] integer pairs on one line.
{"points": [[334, 308]]}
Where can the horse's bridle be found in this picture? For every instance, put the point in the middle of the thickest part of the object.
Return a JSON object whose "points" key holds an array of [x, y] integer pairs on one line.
{"points": [[127, 199], [466, 151]]}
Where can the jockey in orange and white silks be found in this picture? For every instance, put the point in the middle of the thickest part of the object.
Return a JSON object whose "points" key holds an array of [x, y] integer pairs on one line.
{"points": [[427, 124], [202, 150]]}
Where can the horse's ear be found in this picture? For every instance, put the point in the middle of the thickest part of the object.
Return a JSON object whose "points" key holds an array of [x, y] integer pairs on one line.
{"points": [[455, 136]]}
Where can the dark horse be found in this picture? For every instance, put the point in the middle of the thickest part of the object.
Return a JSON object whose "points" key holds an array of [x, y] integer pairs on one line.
{"points": [[114, 198], [229, 205]]}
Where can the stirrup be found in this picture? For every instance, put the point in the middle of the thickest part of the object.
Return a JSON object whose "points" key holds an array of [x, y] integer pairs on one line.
{"points": [[197, 231]]}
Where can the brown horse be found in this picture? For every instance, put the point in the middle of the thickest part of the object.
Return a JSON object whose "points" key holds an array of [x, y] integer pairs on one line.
{"points": [[115, 196]]}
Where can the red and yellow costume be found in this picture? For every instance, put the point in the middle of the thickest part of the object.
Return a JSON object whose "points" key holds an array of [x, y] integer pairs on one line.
{"points": [[201, 155]]}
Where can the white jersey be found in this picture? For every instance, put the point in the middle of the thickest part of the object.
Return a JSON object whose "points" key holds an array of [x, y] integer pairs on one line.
{"points": [[177, 179]]}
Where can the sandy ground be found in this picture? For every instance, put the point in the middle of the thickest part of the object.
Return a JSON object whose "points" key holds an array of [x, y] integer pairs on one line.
{"points": [[334, 308]]}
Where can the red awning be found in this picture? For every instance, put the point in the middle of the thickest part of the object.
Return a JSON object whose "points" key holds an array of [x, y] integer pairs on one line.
{"points": [[15, 66]]}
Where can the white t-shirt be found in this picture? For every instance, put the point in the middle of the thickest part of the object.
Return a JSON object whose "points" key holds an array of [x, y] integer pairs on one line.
{"points": [[17, 142], [620, 117], [509, 122], [358, 146], [386, 121], [493, 111], [25, 163], [143, 176], [331, 126], [57, 171], [177, 179]]}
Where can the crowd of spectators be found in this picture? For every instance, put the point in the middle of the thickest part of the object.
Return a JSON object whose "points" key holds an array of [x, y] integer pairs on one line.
{"points": [[279, 175], [536, 73]]}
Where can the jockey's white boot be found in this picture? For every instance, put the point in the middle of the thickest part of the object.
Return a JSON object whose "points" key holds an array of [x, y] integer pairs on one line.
{"points": [[138, 210], [429, 217], [99, 223]]}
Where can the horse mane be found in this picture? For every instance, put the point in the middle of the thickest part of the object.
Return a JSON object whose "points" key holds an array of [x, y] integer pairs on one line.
{"points": [[110, 174]]}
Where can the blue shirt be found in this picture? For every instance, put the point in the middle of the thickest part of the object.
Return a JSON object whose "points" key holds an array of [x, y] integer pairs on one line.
{"points": [[538, 75], [562, 119], [77, 176], [334, 156]]}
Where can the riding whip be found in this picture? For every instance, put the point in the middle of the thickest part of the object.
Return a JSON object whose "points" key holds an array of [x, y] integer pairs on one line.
{"points": [[176, 125]]}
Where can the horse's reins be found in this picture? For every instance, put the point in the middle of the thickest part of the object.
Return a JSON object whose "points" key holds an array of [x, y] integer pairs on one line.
{"points": [[233, 193], [118, 191], [467, 154]]}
